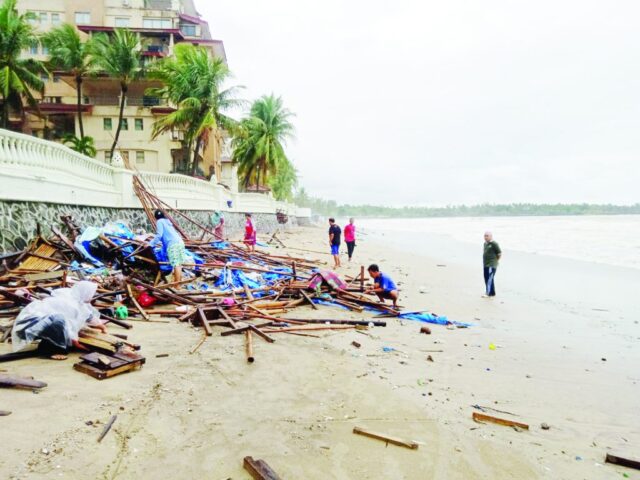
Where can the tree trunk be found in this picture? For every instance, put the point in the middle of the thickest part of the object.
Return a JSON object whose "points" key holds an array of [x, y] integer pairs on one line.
{"points": [[194, 166], [79, 94], [123, 95], [5, 112], [258, 178]]}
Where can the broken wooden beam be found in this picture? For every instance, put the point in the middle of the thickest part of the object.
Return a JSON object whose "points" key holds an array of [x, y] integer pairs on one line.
{"points": [[386, 438], [107, 427], [481, 417], [205, 323], [623, 462], [259, 469], [16, 382], [249, 346]]}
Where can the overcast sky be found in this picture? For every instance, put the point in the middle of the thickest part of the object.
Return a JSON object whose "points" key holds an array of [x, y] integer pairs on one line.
{"points": [[428, 102]]}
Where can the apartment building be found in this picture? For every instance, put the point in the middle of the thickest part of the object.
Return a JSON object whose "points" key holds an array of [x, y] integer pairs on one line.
{"points": [[162, 24]]}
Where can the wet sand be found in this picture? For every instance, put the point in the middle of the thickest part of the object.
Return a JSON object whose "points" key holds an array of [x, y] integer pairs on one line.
{"points": [[196, 416]]}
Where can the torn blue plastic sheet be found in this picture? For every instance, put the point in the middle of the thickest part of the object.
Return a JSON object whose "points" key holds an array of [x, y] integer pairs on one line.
{"points": [[427, 317], [317, 301], [220, 245]]}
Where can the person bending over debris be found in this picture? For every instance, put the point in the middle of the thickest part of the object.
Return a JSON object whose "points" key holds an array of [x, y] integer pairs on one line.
{"points": [[217, 220], [250, 238], [56, 320], [383, 286], [172, 244]]}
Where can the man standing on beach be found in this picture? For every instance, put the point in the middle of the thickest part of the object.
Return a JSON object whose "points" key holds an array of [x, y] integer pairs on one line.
{"points": [[334, 241], [490, 259], [350, 237]]}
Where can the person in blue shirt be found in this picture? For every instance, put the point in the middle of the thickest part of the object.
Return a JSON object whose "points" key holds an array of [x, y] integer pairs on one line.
{"points": [[383, 286], [172, 243]]}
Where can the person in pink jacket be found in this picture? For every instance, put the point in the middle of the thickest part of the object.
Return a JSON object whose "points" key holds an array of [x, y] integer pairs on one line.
{"points": [[350, 237]]}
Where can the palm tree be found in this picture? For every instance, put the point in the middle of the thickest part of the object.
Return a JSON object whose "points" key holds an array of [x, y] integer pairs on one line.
{"points": [[193, 81], [19, 77], [284, 181], [119, 57], [83, 145], [259, 143], [69, 53]]}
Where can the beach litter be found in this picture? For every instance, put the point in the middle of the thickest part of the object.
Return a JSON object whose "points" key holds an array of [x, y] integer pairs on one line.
{"points": [[259, 469], [482, 418]]}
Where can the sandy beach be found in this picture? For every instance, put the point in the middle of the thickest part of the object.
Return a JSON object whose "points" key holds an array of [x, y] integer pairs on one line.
{"points": [[565, 332]]}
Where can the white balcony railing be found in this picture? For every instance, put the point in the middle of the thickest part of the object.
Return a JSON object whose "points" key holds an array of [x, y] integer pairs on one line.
{"points": [[37, 170]]}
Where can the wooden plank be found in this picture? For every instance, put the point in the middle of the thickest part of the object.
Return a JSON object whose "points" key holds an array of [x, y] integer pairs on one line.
{"points": [[308, 299], [260, 333], [102, 374], [16, 382], [107, 427], [481, 417], [259, 469], [144, 314], [205, 323], [247, 292], [386, 438], [623, 462], [34, 277]]}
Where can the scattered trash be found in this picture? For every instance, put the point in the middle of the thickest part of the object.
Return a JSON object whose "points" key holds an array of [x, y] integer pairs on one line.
{"points": [[356, 344], [492, 346], [429, 358], [425, 330], [544, 426]]}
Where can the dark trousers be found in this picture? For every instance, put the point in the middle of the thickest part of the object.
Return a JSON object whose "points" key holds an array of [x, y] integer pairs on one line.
{"points": [[489, 280], [350, 247]]}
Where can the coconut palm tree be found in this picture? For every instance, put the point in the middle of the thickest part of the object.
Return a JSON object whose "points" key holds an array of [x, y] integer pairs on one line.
{"points": [[284, 180], [83, 145], [118, 56], [259, 142], [193, 81], [19, 77], [68, 52]]}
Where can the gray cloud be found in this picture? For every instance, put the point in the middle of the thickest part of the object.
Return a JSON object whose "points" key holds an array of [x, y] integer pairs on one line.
{"points": [[424, 102]]}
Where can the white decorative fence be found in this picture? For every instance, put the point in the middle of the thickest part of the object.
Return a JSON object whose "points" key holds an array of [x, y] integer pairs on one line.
{"points": [[37, 170]]}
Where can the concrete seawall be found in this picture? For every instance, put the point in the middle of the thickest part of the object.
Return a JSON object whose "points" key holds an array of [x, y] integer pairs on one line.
{"points": [[19, 221]]}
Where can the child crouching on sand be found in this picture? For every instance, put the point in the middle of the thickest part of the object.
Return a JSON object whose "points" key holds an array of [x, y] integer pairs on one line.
{"points": [[383, 286]]}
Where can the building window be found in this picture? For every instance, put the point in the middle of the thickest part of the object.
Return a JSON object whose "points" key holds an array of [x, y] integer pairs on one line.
{"points": [[83, 18], [139, 156], [139, 124], [122, 22], [33, 48], [125, 124], [44, 17], [56, 78], [32, 18], [188, 30], [157, 23], [45, 50], [44, 77], [55, 19], [106, 124]]}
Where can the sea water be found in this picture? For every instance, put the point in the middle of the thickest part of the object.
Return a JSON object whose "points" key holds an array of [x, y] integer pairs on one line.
{"points": [[605, 239]]}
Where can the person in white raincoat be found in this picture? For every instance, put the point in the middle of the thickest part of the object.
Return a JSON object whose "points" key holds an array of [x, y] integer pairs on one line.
{"points": [[56, 320]]}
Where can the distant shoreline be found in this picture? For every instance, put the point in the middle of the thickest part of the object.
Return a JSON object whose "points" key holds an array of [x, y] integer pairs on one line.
{"points": [[330, 208]]}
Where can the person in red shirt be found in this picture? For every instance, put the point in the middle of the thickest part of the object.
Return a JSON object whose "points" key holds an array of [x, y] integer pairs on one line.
{"points": [[249, 234], [350, 237]]}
